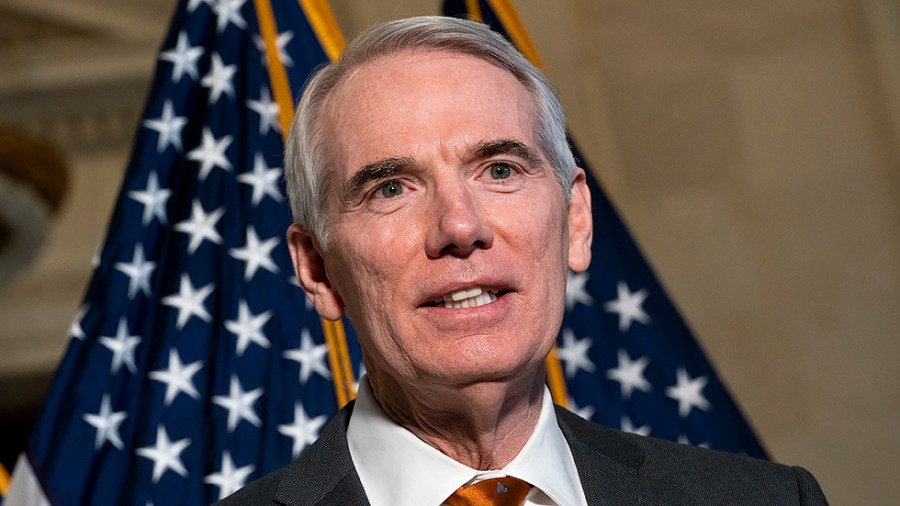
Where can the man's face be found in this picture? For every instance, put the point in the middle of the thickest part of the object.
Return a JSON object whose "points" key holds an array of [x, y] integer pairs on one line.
{"points": [[449, 234]]}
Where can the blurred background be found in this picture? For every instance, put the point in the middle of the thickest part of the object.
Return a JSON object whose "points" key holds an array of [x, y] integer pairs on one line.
{"points": [[753, 147]]}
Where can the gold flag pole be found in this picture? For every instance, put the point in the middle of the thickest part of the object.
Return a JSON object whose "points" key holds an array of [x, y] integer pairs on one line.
{"points": [[322, 21]]}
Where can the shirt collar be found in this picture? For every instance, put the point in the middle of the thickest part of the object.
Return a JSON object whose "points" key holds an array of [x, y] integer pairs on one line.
{"points": [[386, 454], [546, 461]]}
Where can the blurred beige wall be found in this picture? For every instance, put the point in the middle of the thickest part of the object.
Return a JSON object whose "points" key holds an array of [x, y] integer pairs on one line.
{"points": [[751, 145]]}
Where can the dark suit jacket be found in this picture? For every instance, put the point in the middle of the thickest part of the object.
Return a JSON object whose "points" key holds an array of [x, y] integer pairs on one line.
{"points": [[615, 469]]}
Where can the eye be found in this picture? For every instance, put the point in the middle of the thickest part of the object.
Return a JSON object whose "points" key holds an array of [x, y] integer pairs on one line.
{"points": [[390, 189], [499, 171]]}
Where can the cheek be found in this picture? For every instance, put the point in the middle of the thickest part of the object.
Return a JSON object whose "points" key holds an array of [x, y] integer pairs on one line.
{"points": [[550, 248], [373, 266], [549, 232], [356, 282]]}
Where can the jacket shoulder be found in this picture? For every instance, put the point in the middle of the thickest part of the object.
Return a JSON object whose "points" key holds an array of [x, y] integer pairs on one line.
{"points": [[322, 475], [724, 476], [701, 476]]}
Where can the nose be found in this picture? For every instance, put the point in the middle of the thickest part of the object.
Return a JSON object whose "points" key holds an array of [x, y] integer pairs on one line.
{"points": [[459, 224]]}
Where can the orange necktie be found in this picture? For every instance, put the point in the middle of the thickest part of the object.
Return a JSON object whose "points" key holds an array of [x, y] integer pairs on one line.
{"points": [[506, 491]]}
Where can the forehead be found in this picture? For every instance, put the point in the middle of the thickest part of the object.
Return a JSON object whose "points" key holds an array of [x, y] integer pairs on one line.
{"points": [[418, 103]]}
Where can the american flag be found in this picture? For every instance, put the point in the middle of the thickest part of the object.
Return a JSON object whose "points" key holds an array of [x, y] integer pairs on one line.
{"points": [[628, 358], [195, 364]]}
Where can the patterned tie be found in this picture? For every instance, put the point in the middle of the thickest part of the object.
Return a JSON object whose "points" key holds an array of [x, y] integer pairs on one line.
{"points": [[506, 491]]}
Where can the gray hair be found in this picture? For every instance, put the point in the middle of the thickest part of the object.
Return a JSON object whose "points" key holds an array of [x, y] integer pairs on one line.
{"points": [[307, 157]]}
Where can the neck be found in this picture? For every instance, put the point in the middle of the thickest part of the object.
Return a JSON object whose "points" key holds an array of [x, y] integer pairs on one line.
{"points": [[482, 425]]}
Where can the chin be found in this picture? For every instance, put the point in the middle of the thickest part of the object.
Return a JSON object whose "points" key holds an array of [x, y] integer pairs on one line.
{"points": [[486, 369]]}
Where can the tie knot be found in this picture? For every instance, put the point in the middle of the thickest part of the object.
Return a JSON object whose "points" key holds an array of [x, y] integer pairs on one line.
{"points": [[507, 491]]}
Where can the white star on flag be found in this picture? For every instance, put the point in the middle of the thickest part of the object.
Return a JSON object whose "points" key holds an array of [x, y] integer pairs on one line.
{"points": [[218, 80], [310, 357], [229, 11], [303, 430], [229, 479], [107, 424], [193, 4], [184, 58], [630, 374], [154, 200], [256, 254], [281, 42], [267, 110], [688, 392], [201, 226], [576, 291], [177, 377], [165, 454], [575, 353], [628, 306], [211, 153], [263, 179], [239, 404], [628, 426], [248, 327], [189, 302], [138, 272], [122, 346], [168, 126], [75, 330], [587, 412]]}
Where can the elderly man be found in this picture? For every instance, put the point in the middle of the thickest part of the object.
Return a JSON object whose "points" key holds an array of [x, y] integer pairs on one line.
{"points": [[437, 203]]}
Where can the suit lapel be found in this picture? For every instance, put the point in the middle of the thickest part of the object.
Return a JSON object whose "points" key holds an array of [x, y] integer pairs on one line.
{"points": [[324, 475], [609, 466]]}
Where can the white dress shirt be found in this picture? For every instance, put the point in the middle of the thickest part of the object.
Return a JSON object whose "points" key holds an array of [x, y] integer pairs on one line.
{"points": [[387, 455]]}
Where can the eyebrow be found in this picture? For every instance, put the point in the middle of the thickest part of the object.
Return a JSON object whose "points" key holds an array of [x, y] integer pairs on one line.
{"points": [[488, 149], [374, 171], [387, 167]]}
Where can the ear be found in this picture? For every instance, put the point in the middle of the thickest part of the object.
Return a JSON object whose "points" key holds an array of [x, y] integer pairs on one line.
{"points": [[309, 266], [581, 224]]}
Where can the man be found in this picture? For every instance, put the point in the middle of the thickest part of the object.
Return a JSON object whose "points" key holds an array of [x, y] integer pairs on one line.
{"points": [[437, 203]]}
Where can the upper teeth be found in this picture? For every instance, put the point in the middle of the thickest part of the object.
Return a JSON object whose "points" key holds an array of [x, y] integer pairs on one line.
{"points": [[469, 297]]}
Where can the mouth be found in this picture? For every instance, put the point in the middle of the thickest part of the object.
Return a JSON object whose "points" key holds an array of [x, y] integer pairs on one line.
{"points": [[467, 298]]}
